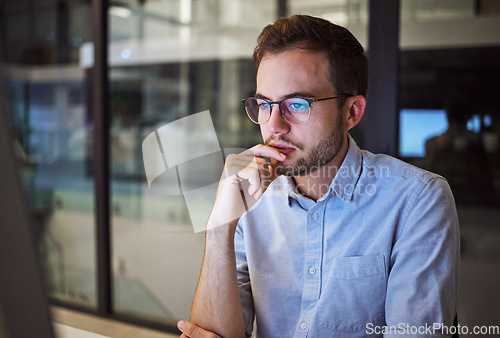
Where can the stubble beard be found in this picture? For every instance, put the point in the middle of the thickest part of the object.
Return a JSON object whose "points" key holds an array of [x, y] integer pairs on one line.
{"points": [[321, 154]]}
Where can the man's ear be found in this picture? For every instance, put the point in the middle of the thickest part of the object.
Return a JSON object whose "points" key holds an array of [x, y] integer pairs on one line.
{"points": [[356, 109]]}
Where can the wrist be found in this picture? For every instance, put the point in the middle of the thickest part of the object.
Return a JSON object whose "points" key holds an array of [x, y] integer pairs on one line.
{"points": [[222, 230], [216, 225]]}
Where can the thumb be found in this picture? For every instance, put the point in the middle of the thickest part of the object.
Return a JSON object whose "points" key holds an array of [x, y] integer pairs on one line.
{"points": [[269, 176], [181, 325], [191, 330], [274, 175]]}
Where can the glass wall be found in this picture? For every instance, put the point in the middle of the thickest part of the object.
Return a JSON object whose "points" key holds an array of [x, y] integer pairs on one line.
{"points": [[449, 123], [46, 96], [171, 60], [347, 13]]}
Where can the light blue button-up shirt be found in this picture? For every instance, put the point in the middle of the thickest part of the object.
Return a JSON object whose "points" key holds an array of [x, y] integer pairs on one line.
{"points": [[379, 252]]}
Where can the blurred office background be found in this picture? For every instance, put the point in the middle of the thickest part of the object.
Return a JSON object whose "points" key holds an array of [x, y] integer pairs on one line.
{"points": [[168, 59]]}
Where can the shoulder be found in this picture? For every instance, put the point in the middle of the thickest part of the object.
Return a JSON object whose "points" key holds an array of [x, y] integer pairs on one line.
{"points": [[385, 166], [402, 183], [424, 199]]}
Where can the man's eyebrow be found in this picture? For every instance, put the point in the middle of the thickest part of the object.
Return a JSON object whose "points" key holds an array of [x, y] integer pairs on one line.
{"points": [[294, 94], [260, 96], [299, 94]]}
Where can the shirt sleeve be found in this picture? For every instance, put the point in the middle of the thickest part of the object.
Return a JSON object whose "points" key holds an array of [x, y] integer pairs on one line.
{"points": [[243, 276], [422, 286]]}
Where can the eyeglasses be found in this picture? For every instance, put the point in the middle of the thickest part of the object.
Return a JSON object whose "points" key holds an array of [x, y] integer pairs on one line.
{"points": [[295, 110]]}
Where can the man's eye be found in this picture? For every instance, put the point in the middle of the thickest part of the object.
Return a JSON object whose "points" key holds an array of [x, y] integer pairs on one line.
{"points": [[264, 105], [298, 106]]}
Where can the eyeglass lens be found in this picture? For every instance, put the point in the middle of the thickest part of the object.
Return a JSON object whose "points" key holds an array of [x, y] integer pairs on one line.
{"points": [[294, 110]]}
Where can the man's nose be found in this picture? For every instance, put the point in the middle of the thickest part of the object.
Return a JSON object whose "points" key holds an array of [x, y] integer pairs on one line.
{"points": [[277, 124]]}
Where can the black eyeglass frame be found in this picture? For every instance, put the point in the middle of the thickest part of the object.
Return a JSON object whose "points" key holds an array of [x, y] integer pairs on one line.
{"points": [[309, 101]]}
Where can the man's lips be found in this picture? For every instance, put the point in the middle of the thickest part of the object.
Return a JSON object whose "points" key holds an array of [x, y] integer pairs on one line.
{"points": [[285, 149]]}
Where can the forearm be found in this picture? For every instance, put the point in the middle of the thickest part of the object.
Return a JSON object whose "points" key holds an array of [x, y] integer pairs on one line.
{"points": [[216, 304]]}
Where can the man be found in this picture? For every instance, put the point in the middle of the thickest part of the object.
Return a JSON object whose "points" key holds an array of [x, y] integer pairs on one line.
{"points": [[341, 242]]}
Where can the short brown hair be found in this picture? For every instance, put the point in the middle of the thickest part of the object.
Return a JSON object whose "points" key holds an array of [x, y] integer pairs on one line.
{"points": [[348, 63]]}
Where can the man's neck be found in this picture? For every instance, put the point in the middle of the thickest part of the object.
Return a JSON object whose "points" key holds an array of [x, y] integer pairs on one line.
{"points": [[317, 183]]}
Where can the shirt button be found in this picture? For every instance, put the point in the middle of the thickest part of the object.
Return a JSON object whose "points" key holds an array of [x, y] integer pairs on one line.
{"points": [[315, 215], [312, 271], [303, 325]]}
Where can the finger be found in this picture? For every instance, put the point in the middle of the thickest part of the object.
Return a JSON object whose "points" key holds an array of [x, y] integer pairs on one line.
{"points": [[250, 171], [248, 166], [274, 174], [238, 163], [266, 174], [246, 159], [265, 151], [182, 326], [258, 193], [245, 156], [255, 163], [262, 180], [253, 177], [193, 331]]}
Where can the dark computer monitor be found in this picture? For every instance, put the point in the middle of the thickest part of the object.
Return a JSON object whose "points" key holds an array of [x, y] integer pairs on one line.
{"points": [[23, 308]]}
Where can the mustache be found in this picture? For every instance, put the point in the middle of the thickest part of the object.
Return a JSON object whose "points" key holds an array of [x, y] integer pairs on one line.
{"points": [[283, 139]]}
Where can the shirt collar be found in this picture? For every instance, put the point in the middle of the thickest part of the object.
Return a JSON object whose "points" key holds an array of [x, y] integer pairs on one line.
{"points": [[348, 175], [345, 180]]}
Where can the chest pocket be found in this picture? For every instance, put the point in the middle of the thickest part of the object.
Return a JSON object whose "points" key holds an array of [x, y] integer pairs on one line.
{"points": [[354, 294]]}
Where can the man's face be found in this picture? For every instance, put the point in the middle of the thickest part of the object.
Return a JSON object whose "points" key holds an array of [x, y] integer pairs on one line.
{"points": [[301, 73]]}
